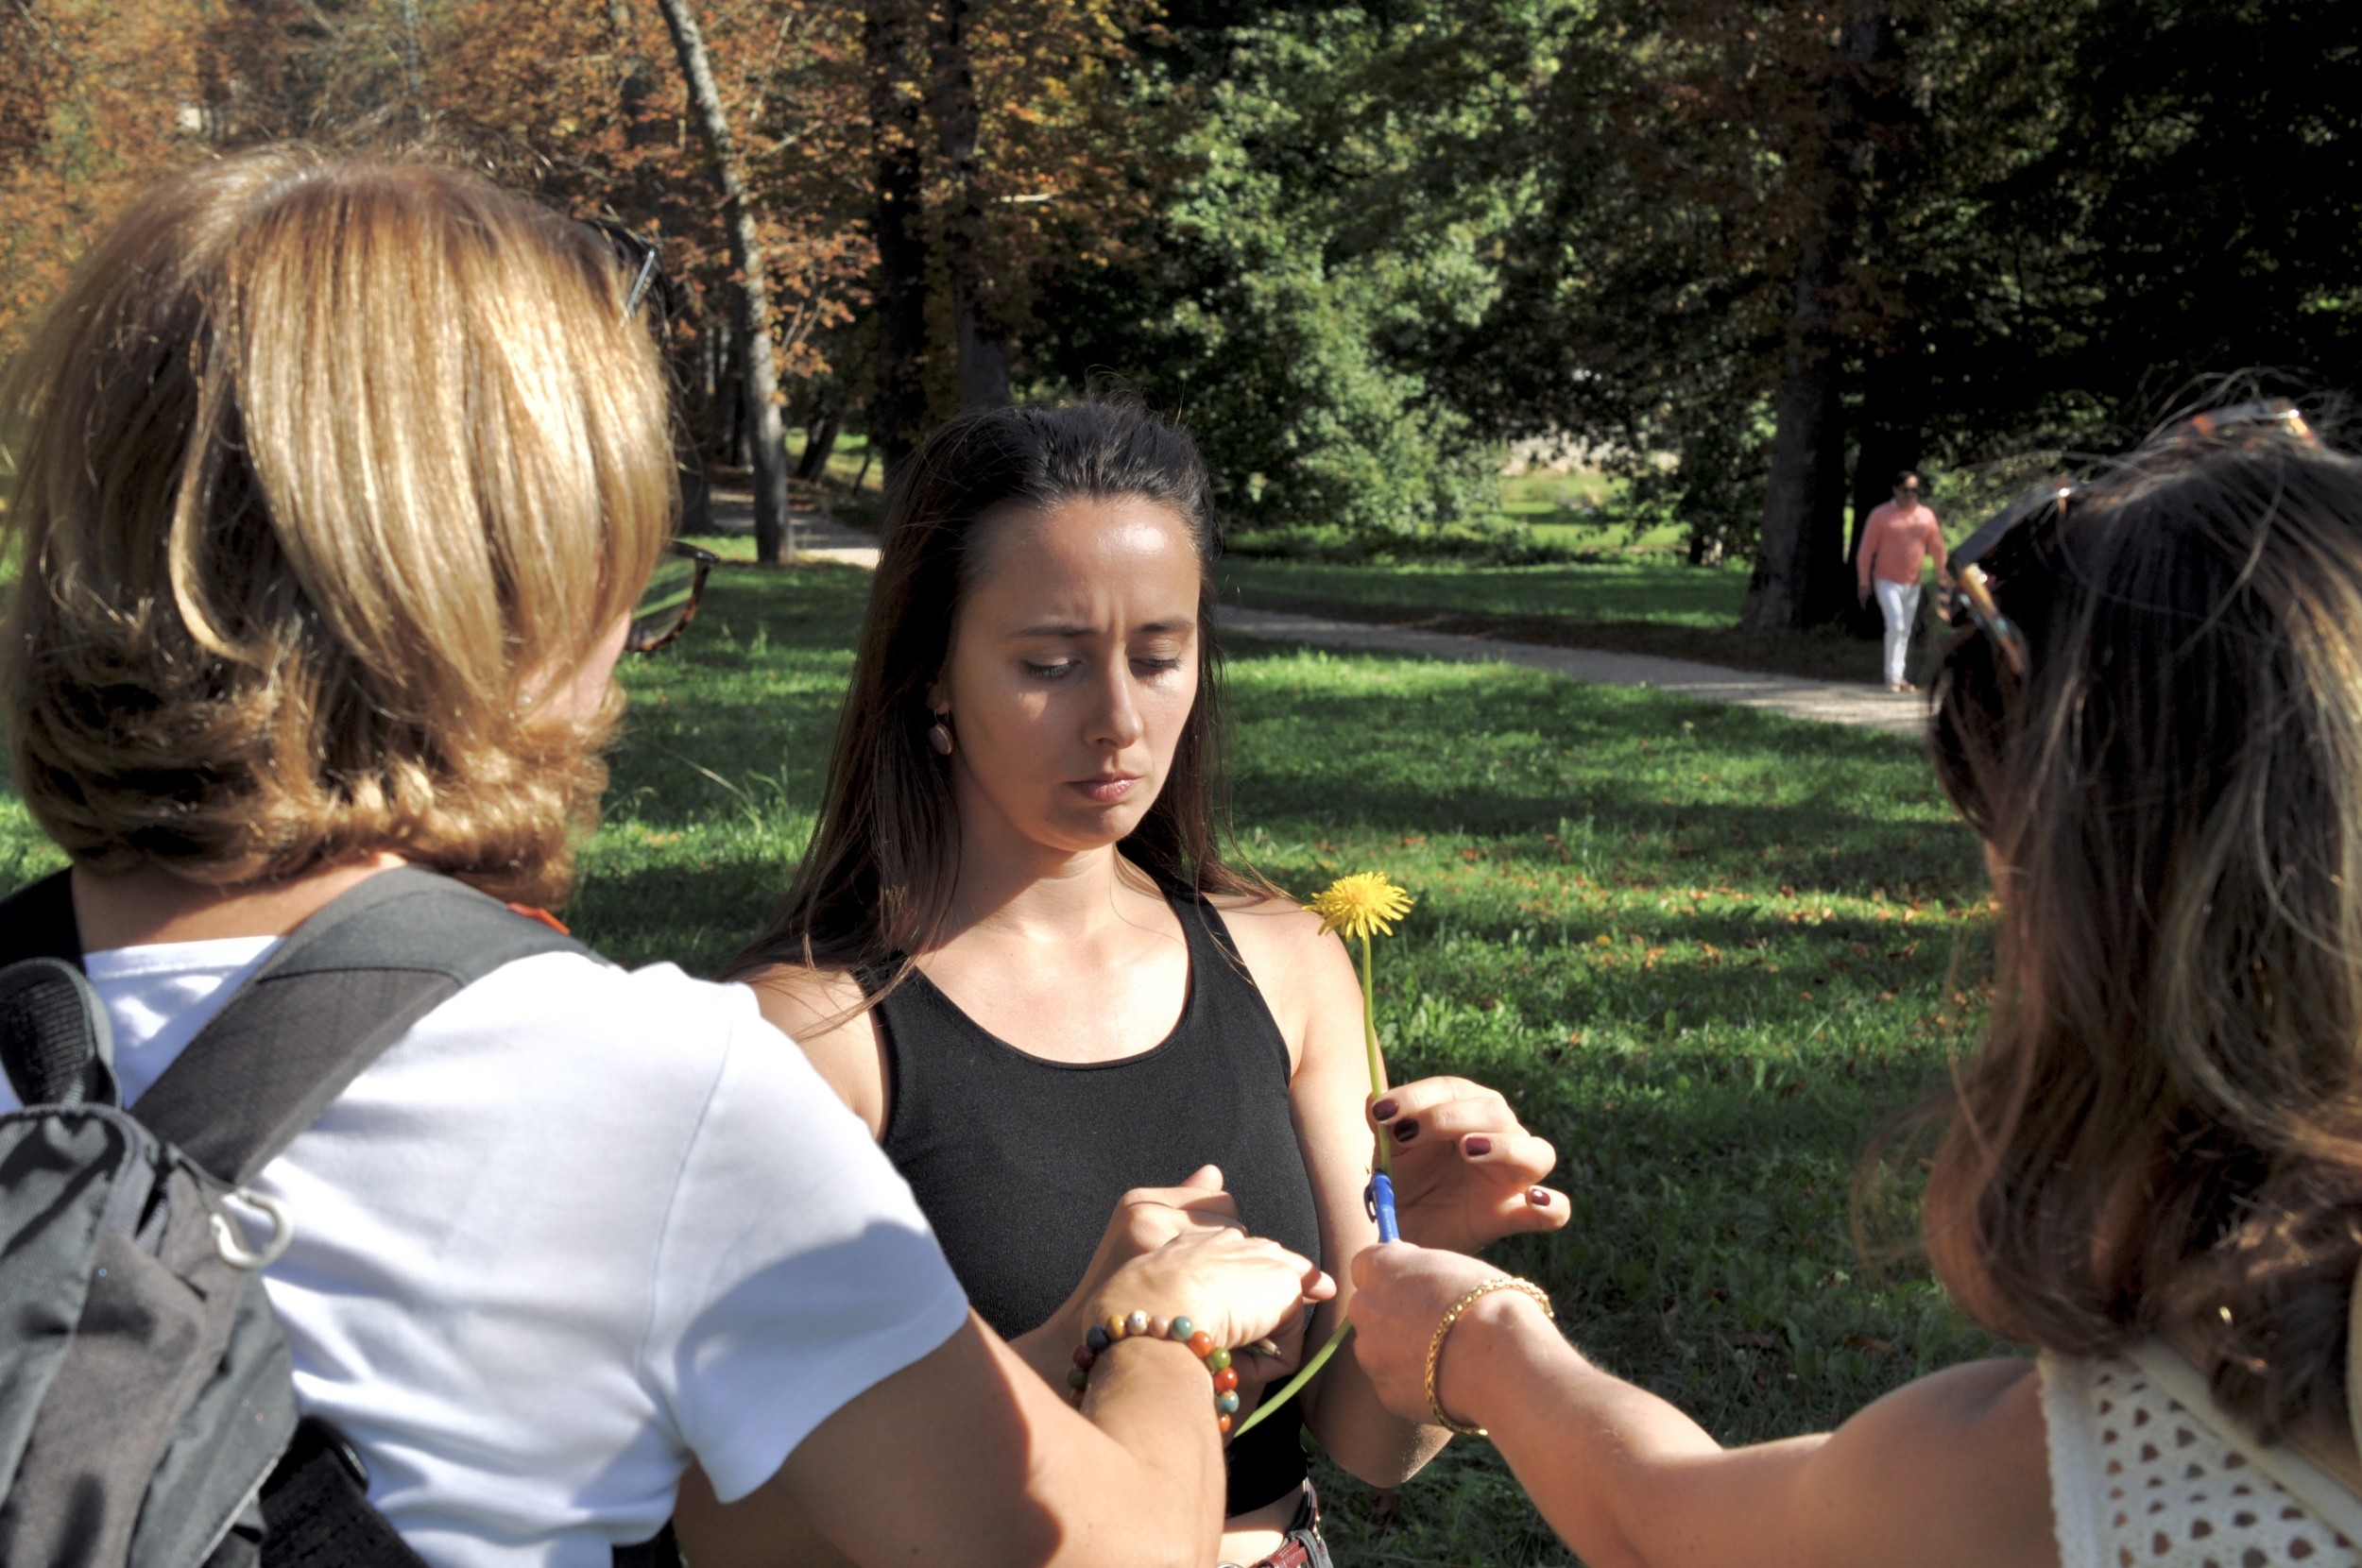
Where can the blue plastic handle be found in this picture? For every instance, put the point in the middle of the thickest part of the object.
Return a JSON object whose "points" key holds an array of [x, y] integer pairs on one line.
{"points": [[1382, 1190]]}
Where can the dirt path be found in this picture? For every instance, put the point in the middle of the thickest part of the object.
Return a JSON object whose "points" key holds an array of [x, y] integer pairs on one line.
{"points": [[1829, 702], [820, 536]]}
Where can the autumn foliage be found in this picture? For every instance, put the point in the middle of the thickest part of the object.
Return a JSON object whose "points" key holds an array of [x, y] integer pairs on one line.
{"points": [[581, 101]]}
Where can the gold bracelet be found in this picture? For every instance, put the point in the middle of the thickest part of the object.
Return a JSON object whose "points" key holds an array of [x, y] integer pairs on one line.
{"points": [[1435, 1346]]}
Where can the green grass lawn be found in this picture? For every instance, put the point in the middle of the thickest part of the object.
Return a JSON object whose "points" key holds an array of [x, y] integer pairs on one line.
{"points": [[1641, 602], [1708, 952]]}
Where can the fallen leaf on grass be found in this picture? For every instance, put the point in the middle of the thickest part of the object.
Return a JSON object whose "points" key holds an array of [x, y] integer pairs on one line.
{"points": [[1871, 1346], [1752, 1341]]}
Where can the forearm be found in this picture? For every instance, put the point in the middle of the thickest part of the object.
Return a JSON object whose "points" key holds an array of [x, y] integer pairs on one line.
{"points": [[1595, 1453], [1158, 1498], [1050, 1349], [1357, 1430]]}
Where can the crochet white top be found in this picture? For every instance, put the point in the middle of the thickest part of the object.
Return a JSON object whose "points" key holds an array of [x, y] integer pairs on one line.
{"points": [[2144, 1470]]}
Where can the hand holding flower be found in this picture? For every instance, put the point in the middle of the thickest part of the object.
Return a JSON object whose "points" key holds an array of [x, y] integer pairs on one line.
{"points": [[1466, 1171]]}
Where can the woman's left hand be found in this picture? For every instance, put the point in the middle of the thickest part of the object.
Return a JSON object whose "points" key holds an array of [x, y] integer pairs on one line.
{"points": [[1466, 1171]]}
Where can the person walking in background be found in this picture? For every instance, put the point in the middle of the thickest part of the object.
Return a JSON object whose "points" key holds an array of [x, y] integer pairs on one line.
{"points": [[1901, 534]]}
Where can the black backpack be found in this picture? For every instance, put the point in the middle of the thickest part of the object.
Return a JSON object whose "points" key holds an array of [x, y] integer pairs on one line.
{"points": [[148, 1411]]}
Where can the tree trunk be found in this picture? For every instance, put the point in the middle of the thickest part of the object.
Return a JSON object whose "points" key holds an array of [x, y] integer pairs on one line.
{"points": [[819, 440], [1799, 578], [634, 84], [775, 536], [896, 111], [413, 61], [983, 354]]}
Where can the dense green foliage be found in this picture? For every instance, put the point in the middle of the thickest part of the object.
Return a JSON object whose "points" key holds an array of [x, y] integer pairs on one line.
{"points": [[1707, 952], [1307, 265], [1403, 229]]}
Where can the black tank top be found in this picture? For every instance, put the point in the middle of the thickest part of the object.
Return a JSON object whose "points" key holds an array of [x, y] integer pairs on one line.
{"points": [[1018, 1162]]}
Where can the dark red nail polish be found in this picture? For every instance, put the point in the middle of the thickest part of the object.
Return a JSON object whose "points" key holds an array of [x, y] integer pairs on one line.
{"points": [[1478, 1145], [1405, 1131], [1384, 1110], [1538, 1197]]}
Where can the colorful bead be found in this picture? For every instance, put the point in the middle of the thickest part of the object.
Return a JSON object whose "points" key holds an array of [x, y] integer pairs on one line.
{"points": [[1123, 1326]]}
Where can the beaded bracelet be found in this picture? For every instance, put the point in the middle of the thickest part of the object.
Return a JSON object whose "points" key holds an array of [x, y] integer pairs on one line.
{"points": [[1435, 1346], [1135, 1325]]}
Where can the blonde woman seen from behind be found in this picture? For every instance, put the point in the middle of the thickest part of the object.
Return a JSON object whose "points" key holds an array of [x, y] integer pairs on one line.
{"points": [[336, 484], [2152, 1175]]}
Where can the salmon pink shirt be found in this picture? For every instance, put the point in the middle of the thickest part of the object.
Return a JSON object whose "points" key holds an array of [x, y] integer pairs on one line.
{"points": [[1898, 543]]}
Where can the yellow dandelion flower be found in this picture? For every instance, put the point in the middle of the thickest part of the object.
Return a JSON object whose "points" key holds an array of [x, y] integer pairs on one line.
{"points": [[1355, 906]]}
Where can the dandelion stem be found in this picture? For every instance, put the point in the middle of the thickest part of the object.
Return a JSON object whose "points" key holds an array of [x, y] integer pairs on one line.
{"points": [[1369, 1038], [1304, 1376]]}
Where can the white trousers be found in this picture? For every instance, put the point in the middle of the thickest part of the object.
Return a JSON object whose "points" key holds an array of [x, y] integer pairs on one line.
{"points": [[1899, 602]]}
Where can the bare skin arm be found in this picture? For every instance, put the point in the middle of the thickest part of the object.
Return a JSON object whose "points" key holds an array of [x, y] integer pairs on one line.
{"points": [[1950, 1471], [966, 1457], [1315, 996]]}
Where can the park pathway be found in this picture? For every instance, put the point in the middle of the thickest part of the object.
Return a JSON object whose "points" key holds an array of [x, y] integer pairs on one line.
{"points": [[1829, 702], [819, 537]]}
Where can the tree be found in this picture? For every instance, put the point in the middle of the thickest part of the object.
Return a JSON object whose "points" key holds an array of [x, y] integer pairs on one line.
{"points": [[890, 48], [1803, 535], [1314, 251], [774, 536]]}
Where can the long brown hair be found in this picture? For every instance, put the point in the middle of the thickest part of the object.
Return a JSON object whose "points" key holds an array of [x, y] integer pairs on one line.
{"points": [[875, 887], [326, 468], [2164, 1131]]}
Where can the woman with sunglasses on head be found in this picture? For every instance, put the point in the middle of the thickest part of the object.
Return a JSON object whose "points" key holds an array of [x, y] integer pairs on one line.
{"points": [[2152, 1175], [1015, 948], [335, 482]]}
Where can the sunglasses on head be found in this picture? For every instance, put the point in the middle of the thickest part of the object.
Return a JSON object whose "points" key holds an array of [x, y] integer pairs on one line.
{"points": [[2050, 503], [639, 257], [669, 603]]}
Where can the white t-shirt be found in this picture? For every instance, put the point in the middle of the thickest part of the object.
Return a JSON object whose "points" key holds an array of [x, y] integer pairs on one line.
{"points": [[575, 1227]]}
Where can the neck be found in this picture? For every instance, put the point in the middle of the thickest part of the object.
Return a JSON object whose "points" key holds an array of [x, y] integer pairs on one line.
{"points": [[132, 909], [1035, 892]]}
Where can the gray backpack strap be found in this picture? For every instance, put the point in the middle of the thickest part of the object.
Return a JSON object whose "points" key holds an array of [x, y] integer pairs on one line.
{"points": [[56, 1043], [345, 985]]}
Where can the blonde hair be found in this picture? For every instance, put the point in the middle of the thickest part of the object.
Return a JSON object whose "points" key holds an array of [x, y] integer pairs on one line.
{"points": [[2164, 1131], [325, 471]]}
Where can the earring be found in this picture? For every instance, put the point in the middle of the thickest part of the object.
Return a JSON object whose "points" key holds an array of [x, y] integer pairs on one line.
{"points": [[939, 735]]}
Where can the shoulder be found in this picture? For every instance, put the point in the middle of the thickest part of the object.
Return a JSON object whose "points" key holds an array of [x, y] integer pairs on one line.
{"points": [[655, 1038], [1882, 513], [1954, 1467], [1301, 969], [821, 1011], [1282, 938]]}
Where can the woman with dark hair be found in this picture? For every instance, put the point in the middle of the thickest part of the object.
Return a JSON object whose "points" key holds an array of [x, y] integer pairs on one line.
{"points": [[2151, 1173], [1017, 951]]}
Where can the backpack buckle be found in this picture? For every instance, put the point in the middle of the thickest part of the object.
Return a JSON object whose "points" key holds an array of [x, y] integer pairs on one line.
{"points": [[231, 1246]]}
